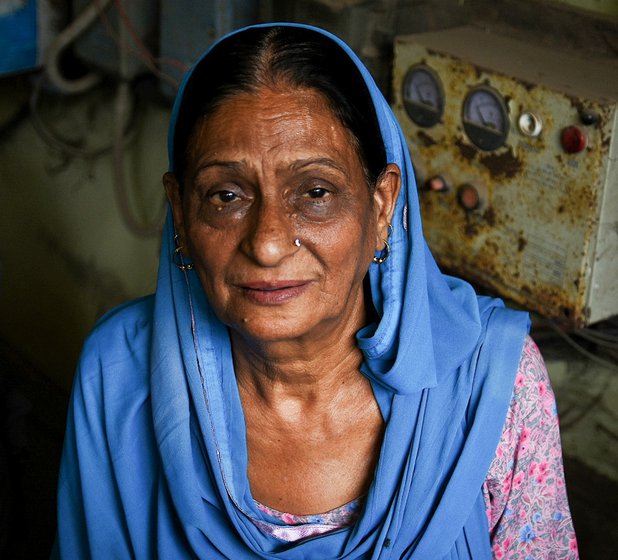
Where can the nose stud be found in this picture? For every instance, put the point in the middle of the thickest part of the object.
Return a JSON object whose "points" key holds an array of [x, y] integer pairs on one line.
{"points": [[297, 242]]}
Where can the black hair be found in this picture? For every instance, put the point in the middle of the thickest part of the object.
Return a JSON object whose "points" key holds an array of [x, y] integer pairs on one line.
{"points": [[267, 57]]}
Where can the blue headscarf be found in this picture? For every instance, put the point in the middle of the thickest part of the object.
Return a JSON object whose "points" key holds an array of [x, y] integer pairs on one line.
{"points": [[441, 361]]}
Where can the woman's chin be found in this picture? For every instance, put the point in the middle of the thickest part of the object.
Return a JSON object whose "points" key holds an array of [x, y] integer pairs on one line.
{"points": [[262, 329], [299, 314]]}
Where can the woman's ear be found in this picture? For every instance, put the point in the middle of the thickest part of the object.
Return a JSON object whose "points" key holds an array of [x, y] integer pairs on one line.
{"points": [[172, 188], [385, 197]]}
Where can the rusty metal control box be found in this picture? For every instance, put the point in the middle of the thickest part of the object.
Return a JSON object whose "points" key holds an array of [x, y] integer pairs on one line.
{"points": [[515, 148]]}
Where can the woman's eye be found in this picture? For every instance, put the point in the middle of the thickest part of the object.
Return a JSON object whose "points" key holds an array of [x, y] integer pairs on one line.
{"points": [[319, 200], [318, 192], [223, 197]]}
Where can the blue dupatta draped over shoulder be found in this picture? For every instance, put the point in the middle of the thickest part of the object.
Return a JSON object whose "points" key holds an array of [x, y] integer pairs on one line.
{"points": [[155, 456]]}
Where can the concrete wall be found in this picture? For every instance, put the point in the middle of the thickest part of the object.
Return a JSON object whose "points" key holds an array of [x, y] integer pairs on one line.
{"points": [[66, 256]]}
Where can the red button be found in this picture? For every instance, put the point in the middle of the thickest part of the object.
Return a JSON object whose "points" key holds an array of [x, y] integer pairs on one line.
{"points": [[469, 197], [436, 184], [573, 140]]}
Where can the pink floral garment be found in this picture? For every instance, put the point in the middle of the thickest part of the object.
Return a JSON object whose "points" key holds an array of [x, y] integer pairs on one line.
{"points": [[525, 496], [298, 527], [527, 507]]}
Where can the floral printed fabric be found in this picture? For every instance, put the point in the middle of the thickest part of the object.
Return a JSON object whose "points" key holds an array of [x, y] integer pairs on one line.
{"points": [[527, 507], [525, 495], [303, 526]]}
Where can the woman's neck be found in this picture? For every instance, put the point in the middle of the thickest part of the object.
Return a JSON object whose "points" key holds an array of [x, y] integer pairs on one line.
{"points": [[313, 368], [295, 374], [314, 428]]}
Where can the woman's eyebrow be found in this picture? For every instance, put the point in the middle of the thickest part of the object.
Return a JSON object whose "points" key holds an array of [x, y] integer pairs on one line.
{"points": [[293, 166], [319, 161], [228, 164]]}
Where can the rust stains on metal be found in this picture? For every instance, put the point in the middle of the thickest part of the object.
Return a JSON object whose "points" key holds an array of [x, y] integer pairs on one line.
{"points": [[490, 216], [467, 151], [425, 139], [471, 229], [506, 164], [530, 240]]}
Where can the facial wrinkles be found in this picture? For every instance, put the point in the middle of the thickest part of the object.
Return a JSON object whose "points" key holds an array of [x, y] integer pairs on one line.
{"points": [[284, 147], [270, 135], [266, 152], [269, 148]]}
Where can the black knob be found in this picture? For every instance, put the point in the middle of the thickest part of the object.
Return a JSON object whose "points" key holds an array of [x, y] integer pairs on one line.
{"points": [[588, 117]]}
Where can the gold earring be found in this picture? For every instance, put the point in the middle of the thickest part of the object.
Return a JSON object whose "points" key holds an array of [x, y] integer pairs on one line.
{"points": [[177, 257], [385, 253]]}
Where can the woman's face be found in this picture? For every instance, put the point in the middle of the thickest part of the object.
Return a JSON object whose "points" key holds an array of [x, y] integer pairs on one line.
{"points": [[265, 170]]}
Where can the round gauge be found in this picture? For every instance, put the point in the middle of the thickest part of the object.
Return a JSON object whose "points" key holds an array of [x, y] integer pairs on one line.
{"points": [[485, 118], [423, 96]]}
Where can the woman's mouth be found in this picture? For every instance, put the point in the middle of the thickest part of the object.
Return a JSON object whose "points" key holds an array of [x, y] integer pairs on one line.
{"points": [[273, 293]]}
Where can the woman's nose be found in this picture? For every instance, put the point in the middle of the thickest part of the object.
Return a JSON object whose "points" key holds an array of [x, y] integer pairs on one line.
{"points": [[271, 235]]}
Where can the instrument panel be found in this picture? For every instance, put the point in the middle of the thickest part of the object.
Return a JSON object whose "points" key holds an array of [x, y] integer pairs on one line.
{"points": [[516, 158]]}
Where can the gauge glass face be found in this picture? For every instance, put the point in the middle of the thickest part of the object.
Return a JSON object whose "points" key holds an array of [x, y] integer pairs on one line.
{"points": [[423, 96], [485, 118]]}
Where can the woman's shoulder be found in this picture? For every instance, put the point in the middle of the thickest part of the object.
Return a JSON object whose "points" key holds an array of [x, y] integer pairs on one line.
{"points": [[134, 317], [120, 339], [533, 405], [525, 495], [532, 386], [133, 312]]}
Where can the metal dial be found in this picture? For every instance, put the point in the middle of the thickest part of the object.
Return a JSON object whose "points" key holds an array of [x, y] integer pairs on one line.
{"points": [[485, 118], [423, 95]]}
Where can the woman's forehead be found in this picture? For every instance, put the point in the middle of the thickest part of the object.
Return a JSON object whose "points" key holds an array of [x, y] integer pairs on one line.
{"points": [[272, 122], [268, 101]]}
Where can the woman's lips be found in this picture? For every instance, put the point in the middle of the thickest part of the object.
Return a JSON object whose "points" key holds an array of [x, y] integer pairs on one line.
{"points": [[273, 293]]}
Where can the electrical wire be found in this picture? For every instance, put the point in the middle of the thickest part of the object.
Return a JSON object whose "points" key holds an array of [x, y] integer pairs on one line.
{"points": [[63, 40], [142, 48], [610, 341], [600, 335], [123, 108], [592, 357], [123, 104], [137, 48], [55, 140], [584, 403], [567, 421], [72, 87], [123, 135]]}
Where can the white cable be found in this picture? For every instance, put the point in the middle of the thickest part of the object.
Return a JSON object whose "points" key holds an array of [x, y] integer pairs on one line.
{"points": [[62, 41], [123, 108]]}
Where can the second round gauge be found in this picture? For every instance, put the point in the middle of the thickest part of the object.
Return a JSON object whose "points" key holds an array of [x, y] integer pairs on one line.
{"points": [[485, 118]]}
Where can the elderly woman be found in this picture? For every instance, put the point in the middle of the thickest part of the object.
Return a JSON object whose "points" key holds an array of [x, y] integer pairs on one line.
{"points": [[305, 383]]}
